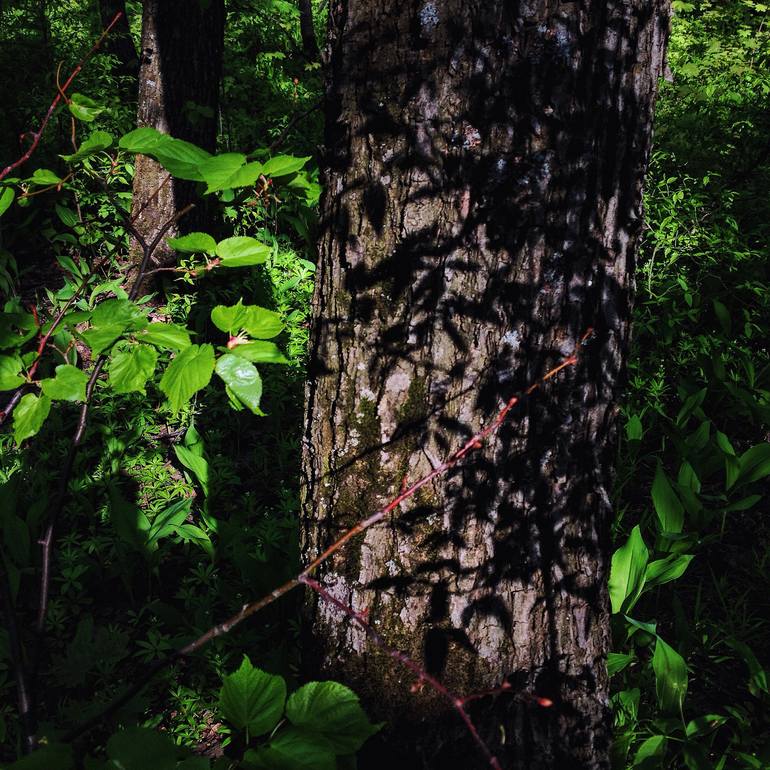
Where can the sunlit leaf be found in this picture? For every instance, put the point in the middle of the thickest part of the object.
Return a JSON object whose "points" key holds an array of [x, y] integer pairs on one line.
{"points": [[193, 243], [69, 384], [670, 677], [667, 505], [190, 371], [627, 572], [242, 251], [131, 367], [96, 142], [29, 416], [243, 379], [252, 699]]}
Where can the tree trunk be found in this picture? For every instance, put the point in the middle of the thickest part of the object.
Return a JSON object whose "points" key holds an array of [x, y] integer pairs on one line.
{"points": [[179, 75], [119, 43], [307, 30], [482, 211]]}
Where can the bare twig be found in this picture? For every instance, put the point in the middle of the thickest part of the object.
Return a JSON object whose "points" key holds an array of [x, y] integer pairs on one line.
{"points": [[474, 443], [37, 135]]}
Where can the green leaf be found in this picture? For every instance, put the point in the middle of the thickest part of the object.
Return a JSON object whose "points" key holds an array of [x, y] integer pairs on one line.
{"points": [[724, 443], [723, 315], [245, 176], [128, 519], [754, 464], [332, 710], [180, 158], [139, 748], [44, 177], [130, 368], [705, 724], [667, 505], [143, 140], [617, 661], [190, 371], [10, 368], [217, 170], [670, 677], [283, 165], [84, 108], [166, 336], [634, 428], [119, 311], [627, 572], [257, 321], [195, 463], [293, 749], [6, 199], [166, 522], [69, 384], [758, 682], [242, 251], [651, 752], [29, 416], [260, 352], [96, 142], [743, 504], [101, 337], [252, 699], [193, 243], [243, 379], [67, 216], [666, 570]]}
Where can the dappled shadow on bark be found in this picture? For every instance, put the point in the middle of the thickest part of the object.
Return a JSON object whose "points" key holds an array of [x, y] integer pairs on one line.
{"points": [[482, 210]]}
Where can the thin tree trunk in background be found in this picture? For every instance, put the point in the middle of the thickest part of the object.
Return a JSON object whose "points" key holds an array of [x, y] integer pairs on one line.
{"points": [[179, 75], [119, 43], [482, 210], [307, 30]]}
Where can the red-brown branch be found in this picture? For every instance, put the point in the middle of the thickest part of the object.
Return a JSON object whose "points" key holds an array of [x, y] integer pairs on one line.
{"points": [[475, 442], [62, 90], [457, 703]]}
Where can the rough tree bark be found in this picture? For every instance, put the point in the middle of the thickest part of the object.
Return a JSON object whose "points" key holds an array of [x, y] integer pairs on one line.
{"points": [[179, 76], [119, 43], [482, 210], [307, 30]]}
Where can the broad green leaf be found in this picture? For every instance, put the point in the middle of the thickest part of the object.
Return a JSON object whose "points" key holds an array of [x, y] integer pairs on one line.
{"points": [[758, 682], [195, 463], [651, 752], [732, 471], [119, 311], [29, 416], [190, 371], [261, 323], [10, 372], [181, 159], [243, 379], [634, 428], [242, 251], [245, 176], [67, 216], [705, 724], [724, 443], [283, 165], [128, 519], [165, 522], [332, 710], [670, 677], [69, 384], [723, 314], [691, 403], [6, 199], [743, 504], [193, 243], [754, 464], [16, 328], [252, 699], [260, 352], [84, 108], [143, 140], [217, 170], [648, 628], [293, 749], [627, 572], [139, 748], [166, 336], [667, 505], [99, 338], [617, 661], [130, 368], [98, 141], [228, 317], [666, 570], [44, 177]]}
